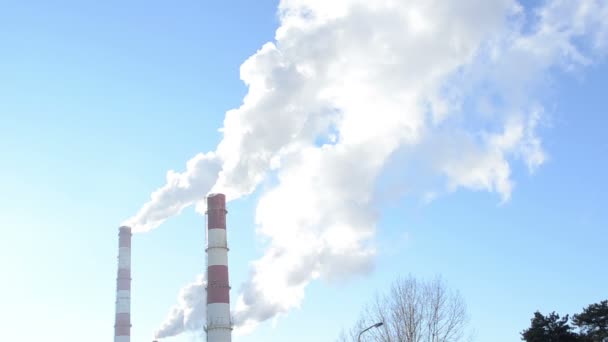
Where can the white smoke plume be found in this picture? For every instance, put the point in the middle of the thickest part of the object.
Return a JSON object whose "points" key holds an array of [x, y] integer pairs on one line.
{"points": [[189, 313], [349, 86], [181, 191]]}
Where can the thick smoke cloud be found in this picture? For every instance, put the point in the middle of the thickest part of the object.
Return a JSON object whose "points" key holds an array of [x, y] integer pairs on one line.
{"points": [[350, 86]]}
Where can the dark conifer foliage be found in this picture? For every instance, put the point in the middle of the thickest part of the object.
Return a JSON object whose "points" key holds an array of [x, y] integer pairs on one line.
{"points": [[593, 322], [589, 326], [550, 328]]}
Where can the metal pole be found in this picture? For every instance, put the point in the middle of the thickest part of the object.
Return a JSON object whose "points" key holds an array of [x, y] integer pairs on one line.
{"points": [[366, 329]]}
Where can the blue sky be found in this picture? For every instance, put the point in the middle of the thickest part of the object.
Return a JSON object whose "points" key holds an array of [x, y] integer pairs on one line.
{"points": [[98, 101]]}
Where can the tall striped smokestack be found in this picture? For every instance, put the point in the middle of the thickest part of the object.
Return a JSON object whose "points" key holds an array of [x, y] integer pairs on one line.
{"points": [[122, 326], [219, 324]]}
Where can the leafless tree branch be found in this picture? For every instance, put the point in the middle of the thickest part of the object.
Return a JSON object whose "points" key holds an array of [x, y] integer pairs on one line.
{"points": [[413, 311]]}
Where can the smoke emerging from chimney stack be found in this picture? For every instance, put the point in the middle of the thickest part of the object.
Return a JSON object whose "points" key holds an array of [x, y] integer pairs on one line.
{"points": [[203, 304], [347, 88]]}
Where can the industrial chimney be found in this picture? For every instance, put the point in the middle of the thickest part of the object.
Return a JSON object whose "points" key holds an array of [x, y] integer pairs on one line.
{"points": [[122, 326], [219, 323]]}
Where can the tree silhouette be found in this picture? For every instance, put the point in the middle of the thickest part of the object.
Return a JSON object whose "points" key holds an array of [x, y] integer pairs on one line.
{"points": [[593, 322], [550, 328]]}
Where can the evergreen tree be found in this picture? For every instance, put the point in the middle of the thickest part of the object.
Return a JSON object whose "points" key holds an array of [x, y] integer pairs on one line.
{"points": [[593, 322], [549, 328]]}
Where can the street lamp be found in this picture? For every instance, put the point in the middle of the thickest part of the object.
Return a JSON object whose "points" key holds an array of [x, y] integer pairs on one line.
{"points": [[377, 325]]}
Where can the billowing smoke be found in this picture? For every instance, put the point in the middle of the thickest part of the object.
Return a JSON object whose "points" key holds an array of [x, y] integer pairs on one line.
{"points": [[189, 312], [347, 88]]}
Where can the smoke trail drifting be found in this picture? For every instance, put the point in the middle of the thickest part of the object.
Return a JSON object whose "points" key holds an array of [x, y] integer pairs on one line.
{"points": [[189, 312]]}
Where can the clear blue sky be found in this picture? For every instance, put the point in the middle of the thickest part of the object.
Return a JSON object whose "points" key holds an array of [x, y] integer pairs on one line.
{"points": [[98, 100]]}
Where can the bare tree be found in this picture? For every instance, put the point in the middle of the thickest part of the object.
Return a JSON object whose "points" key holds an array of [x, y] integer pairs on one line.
{"points": [[413, 311]]}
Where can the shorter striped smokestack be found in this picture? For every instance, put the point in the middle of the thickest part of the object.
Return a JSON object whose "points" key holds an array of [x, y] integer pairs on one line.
{"points": [[122, 326]]}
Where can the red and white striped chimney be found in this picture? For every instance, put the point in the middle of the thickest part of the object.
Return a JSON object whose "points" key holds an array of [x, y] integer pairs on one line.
{"points": [[122, 326], [219, 323]]}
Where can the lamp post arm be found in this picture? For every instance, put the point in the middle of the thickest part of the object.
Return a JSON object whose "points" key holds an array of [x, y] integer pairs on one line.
{"points": [[366, 329], [361, 333]]}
